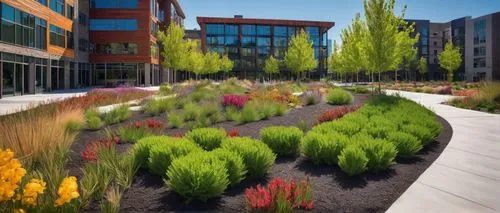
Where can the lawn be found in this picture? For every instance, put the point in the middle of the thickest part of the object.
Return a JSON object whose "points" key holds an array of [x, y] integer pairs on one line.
{"points": [[241, 146]]}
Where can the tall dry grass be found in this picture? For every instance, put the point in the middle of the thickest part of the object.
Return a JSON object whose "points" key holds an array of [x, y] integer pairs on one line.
{"points": [[489, 91]]}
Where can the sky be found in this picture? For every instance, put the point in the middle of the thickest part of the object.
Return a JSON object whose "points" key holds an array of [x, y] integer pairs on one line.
{"points": [[339, 11]]}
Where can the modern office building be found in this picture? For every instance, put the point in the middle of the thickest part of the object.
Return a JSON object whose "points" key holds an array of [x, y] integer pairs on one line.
{"points": [[249, 42], [125, 49], [37, 46]]}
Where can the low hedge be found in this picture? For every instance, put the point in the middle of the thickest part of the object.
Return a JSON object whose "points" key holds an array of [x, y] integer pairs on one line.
{"points": [[161, 155], [207, 138], [338, 96], [234, 163], [284, 141]]}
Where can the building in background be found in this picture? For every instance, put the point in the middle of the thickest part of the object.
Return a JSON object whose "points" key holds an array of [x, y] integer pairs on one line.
{"points": [[330, 47], [193, 34], [37, 46], [125, 49], [249, 42]]}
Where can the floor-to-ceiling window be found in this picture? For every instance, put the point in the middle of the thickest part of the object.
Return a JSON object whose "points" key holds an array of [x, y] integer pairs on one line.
{"points": [[116, 74], [83, 74], [15, 74], [40, 75], [57, 74], [21, 28]]}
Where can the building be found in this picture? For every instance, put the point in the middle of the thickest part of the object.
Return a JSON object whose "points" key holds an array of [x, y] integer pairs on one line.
{"points": [[37, 46], [125, 49], [421, 28], [193, 34], [249, 42], [482, 48]]}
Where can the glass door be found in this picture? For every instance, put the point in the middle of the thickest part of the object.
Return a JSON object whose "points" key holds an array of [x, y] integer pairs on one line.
{"points": [[19, 79], [8, 79]]}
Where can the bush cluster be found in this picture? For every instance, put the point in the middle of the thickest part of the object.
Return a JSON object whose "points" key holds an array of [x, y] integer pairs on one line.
{"points": [[372, 137], [93, 119], [258, 157], [284, 141], [339, 97], [158, 106], [117, 115], [162, 154], [207, 138]]}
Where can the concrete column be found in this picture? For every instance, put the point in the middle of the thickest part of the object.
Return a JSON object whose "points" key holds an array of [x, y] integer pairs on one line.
{"points": [[147, 75], [67, 71], [31, 78], [48, 80], [75, 74]]}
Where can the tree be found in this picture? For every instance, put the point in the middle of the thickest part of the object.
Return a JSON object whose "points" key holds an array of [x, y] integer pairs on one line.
{"points": [[195, 62], [226, 64], [423, 67], [406, 51], [300, 55], [212, 63], [383, 30], [352, 46], [450, 59], [335, 61], [272, 66], [173, 48]]}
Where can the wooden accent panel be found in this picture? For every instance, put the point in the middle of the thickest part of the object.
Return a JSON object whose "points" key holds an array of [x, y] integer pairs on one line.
{"points": [[44, 12], [141, 37]]}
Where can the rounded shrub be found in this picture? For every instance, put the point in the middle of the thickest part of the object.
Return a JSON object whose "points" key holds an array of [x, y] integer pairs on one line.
{"points": [[258, 157], [234, 164], [323, 148], [422, 133], [161, 155], [353, 160], [282, 140], [339, 97], [142, 147], [94, 123], [406, 144], [198, 176], [380, 153], [208, 138]]}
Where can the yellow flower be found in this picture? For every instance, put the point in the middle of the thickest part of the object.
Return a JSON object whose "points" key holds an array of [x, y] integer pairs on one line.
{"points": [[68, 190], [31, 191], [11, 173], [19, 211]]}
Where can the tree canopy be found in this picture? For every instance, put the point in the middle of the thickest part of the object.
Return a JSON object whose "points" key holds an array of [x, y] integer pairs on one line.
{"points": [[450, 59], [423, 66], [272, 66], [174, 48], [226, 65], [212, 63], [299, 57]]}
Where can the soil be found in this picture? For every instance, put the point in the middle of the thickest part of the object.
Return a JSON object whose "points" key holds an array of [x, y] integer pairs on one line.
{"points": [[332, 189]]}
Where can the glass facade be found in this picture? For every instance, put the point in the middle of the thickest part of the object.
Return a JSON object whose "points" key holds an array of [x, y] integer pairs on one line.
{"points": [[113, 74], [113, 24], [249, 45], [110, 4], [117, 49], [57, 36], [58, 6], [21, 28]]}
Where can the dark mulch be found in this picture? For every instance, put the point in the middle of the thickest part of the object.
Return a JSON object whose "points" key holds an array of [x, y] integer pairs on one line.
{"points": [[333, 190]]}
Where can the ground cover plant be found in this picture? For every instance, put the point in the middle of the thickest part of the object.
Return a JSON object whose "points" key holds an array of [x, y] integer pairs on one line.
{"points": [[486, 98], [282, 140], [338, 96]]}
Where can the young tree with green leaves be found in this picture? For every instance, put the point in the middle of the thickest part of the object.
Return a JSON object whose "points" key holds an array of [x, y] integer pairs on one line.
{"points": [[423, 67], [299, 57], [335, 61], [195, 62], [173, 48], [383, 31], [352, 46], [212, 63], [272, 66], [450, 59], [406, 51], [226, 64]]}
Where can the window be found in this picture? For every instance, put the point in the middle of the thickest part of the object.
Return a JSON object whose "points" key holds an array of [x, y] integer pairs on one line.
{"points": [[154, 28], [280, 41], [248, 52], [313, 31], [83, 45], [435, 52], [155, 51], [280, 31], [480, 51], [70, 42], [263, 41], [215, 40], [264, 30], [435, 43], [232, 41], [248, 41], [18, 27], [480, 32], [43, 2], [479, 62], [117, 49], [219, 50], [215, 29], [57, 6], [425, 51], [110, 4], [41, 34], [231, 29], [248, 29], [113, 24], [424, 41], [291, 31], [264, 51], [57, 36], [82, 19], [70, 12]]}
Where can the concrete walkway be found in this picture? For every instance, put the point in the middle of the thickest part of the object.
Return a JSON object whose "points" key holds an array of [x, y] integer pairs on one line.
{"points": [[13, 104], [466, 177]]}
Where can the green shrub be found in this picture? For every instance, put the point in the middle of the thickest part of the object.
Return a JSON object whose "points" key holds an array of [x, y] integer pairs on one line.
{"points": [[191, 111], [234, 163], [117, 115], [258, 157], [248, 114], [232, 113], [132, 134], [94, 123], [198, 176], [406, 144], [267, 110], [341, 126], [212, 112], [353, 160], [155, 107], [142, 147], [361, 90], [423, 134], [380, 153], [284, 141], [161, 155], [207, 138], [323, 148], [281, 109], [339, 97], [175, 120], [379, 127], [166, 89]]}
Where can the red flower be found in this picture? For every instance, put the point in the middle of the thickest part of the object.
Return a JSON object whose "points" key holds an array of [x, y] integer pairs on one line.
{"points": [[234, 100], [137, 124], [91, 151], [233, 133], [154, 124], [178, 135], [333, 114], [258, 198]]}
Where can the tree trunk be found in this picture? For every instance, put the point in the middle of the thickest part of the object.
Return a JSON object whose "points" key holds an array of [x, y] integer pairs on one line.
{"points": [[379, 86]]}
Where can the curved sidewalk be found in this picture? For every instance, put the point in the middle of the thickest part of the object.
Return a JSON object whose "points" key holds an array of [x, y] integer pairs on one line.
{"points": [[466, 177]]}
